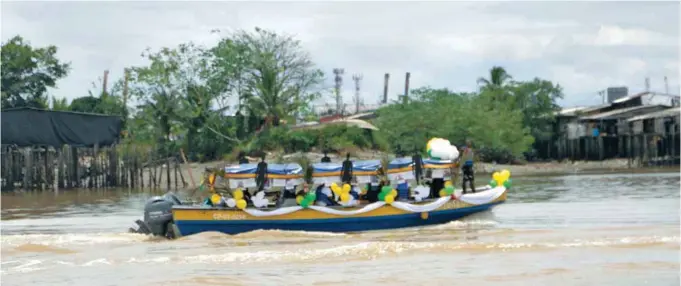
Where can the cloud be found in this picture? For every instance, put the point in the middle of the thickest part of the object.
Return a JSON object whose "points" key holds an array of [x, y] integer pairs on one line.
{"points": [[584, 46]]}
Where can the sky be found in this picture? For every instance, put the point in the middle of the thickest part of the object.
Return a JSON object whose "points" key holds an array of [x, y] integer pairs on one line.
{"points": [[584, 46]]}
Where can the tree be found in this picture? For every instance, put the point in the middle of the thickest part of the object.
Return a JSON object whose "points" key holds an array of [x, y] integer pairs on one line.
{"points": [[27, 72], [279, 78], [456, 116]]}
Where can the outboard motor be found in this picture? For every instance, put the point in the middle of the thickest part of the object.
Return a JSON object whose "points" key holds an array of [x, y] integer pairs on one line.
{"points": [[158, 216]]}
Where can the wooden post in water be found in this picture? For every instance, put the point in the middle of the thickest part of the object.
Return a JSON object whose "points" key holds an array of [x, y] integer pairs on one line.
{"points": [[27, 168]]}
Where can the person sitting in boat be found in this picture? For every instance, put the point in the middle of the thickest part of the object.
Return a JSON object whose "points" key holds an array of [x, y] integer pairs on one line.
{"points": [[242, 158], [326, 158], [467, 158], [323, 194]]}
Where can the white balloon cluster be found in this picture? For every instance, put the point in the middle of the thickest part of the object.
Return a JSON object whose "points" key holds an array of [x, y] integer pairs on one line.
{"points": [[259, 200], [421, 192], [441, 149]]}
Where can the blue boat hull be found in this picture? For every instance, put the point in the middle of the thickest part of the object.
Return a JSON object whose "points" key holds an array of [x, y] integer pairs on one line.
{"points": [[356, 224]]}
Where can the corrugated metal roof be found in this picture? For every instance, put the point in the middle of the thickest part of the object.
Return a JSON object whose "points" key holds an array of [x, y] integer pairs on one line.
{"points": [[630, 97], [664, 113], [619, 113]]}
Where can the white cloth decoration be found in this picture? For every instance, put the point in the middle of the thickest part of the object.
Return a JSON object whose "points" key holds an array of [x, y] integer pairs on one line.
{"points": [[422, 208], [279, 211], [421, 192], [483, 197], [479, 198], [231, 202], [367, 208], [363, 179], [259, 200]]}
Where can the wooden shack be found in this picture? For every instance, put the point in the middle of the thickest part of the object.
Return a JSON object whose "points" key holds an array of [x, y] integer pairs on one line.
{"points": [[655, 137], [59, 149]]}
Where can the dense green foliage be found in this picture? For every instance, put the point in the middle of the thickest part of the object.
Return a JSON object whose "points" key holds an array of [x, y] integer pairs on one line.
{"points": [[183, 94]]}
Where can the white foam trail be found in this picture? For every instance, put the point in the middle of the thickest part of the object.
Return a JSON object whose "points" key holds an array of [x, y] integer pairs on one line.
{"points": [[72, 239]]}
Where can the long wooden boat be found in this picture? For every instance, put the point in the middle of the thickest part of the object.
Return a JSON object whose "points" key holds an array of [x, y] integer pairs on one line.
{"points": [[167, 216]]}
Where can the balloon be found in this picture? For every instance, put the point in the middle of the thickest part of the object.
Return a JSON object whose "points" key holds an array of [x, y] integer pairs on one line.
{"points": [[238, 194], [241, 204], [381, 196], [335, 189], [311, 196], [448, 183], [442, 193], [393, 193], [507, 184], [345, 197], [305, 203], [299, 199], [211, 179], [493, 183], [231, 202], [496, 176], [449, 190], [389, 199], [505, 174], [215, 199], [386, 189], [346, 189]]}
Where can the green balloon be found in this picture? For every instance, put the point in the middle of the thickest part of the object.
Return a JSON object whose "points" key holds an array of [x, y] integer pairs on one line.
{"points": [[493, 183], [305, 203], [386, 189], [311, 197], [507, 184], [381, 196], [449, 190]]}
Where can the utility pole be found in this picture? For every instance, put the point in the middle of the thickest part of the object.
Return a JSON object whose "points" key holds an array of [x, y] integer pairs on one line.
{"points": [[406, 87], [126, 78], [666, 86], [647, 84], [385, 88], [357, 78], [338, 72], [602, 94], [105, 80]]}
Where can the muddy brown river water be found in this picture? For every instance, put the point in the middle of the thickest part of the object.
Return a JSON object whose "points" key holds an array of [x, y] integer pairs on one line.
{"points": [[610, 229]]}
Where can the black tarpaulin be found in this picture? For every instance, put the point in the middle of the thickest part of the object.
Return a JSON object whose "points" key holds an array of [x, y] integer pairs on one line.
{"points": [[30, 126]]}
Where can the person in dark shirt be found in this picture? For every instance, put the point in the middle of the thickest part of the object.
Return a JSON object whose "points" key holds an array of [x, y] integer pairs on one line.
{"points": [[326, 158], [467, 167], [346, 171], [242, 158]]}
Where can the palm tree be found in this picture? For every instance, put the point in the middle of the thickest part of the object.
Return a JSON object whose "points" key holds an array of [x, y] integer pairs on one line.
{"points": [[498, 80]]}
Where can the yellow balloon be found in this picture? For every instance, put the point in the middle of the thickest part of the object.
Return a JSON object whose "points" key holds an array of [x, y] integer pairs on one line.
{"points": [[211, 179], [335, 189], [215, 199], [345, 198], [442, 193], [299, 199], [346, 188], [448, 183], [238, 194], [393, 193], [241, 204], [389, 199], [496, 176], [505, 174]]}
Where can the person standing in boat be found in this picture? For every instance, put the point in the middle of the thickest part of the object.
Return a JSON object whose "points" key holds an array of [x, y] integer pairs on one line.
{"points": [[467, 157]]}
